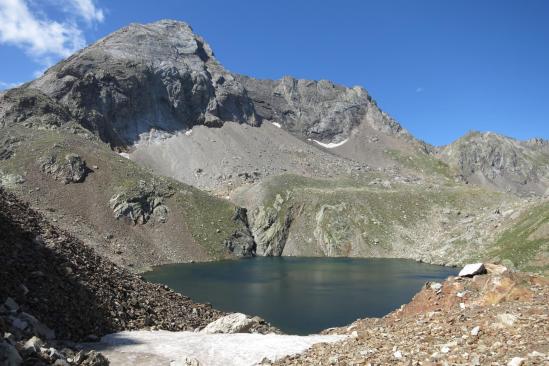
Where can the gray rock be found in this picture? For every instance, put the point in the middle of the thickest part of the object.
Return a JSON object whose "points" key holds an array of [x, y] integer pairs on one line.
{"points": [[94, 358], [33, 345], [141, 204], [9, 355], [70, 170], [232, 323]]}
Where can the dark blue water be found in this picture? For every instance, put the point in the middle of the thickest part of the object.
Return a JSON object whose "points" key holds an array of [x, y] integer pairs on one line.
{"points": [[302, 295]]}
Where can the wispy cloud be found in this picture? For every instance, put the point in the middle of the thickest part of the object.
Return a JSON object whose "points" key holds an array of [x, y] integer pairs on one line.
{"points": [[43, 38], [85, 9], [419, 89]]}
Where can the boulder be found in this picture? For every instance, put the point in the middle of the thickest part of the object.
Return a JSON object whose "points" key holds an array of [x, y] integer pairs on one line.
{"points": [[70, 170], [472, 269], [33, 345], [232, 323]]}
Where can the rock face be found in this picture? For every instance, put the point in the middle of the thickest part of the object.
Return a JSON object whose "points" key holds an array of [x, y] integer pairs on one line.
{"points": [[241, 243], [270, 225], [142, 78], [320, 110]]}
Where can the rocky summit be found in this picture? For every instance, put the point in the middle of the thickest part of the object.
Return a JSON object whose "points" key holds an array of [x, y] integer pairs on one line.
{"points": [[142, 150]]}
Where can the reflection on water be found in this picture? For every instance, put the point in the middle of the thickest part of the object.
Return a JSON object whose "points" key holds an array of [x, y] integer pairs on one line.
{"points": [[302, 295]]}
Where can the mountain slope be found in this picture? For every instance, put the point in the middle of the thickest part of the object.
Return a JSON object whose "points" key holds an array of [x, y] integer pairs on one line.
{"points": [[320, 167]]}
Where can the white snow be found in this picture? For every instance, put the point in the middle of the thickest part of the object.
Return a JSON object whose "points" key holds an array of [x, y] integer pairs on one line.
{"points": [[124, 155], [188, 132], [209, 349], [331, 145], [276, 124]]}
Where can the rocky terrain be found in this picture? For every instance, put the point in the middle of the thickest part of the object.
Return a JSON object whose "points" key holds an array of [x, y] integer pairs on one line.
{"points": [[499, 318], [56, 290], [111, 144]]}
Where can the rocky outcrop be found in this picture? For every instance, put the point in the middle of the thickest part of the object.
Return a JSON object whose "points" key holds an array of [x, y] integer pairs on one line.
{"points": [[241, 243], [270, 225], [71, 169], [31, 108], [141, 203], [319, 110], [145, 78]]}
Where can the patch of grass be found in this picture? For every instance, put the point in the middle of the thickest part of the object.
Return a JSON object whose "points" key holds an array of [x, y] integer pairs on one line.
{"points": [[517, 245], [421, 162]]}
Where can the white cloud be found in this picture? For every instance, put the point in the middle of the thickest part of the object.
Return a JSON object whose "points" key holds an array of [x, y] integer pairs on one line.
{"points": [[25, 25], [87, 10], [419, 89], [38, 36]]}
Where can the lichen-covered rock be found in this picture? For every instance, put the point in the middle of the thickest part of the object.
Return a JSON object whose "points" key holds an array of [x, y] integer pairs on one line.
{"points": [[141, 204], [72, 169]]}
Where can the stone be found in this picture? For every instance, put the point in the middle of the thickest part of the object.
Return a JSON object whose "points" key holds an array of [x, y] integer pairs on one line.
{"points": [[397, 354], [232, 323], [33, 345], [472, 269], [94, 358], [9, 355], [506, 320], [516, 361], [475, 331], [436, 286]]}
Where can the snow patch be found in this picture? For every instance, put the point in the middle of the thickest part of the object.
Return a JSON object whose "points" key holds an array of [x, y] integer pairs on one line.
{"points": [[331, 145], [276, 124], [208, 349], [188, 132]]}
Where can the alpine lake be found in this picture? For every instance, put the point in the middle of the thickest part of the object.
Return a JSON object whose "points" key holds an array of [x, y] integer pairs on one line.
{"points": [[302, 295]]}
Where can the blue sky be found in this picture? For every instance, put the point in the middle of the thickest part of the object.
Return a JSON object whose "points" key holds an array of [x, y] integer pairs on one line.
{"points": [[441, 68]]}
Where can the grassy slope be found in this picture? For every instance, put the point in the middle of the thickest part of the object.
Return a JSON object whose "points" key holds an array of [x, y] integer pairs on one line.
{"points": [[206, 218], [526, 242]]}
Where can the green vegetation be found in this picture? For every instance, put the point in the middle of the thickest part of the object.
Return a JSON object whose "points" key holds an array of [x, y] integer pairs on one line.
{"points": [[526, 243], [421, 162], [208, 219]]}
